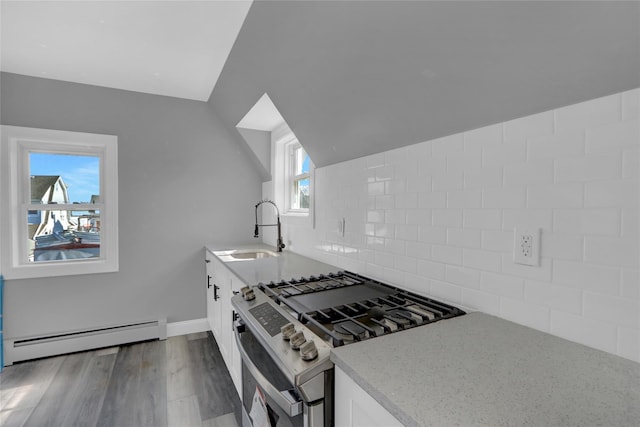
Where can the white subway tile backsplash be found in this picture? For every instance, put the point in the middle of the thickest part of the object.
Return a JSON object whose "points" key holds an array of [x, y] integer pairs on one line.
{"points": [[439, 217], [519, 130], [500, 284], [613, 136], [406, 200], [394, 186], [447, 217], [481, 301], [566, 195], [605, 194], [600, 279], [629, 343], [481, 259], [430, 234], [446, 254], [395, 216], [448, 181], [498, 241], [446, 291], [476, 179], [588, 114], [589, 168], [464, 199], [562, 246], [463, 237], [630, 223], [631, 164], [418, 183], [475, 140], [594, 333], [615, 310], [527, 218], [611, 251], [462, 276], [504, 198], [406, 232], [452, 145], [508, 154], [557, 146], [556, 297], [524, 313], [533, 172], [631, 104], [418, 250], [540, 272], [605, 222], [630, 284], [432, 200], [419, 216], [430, 269], [490, 219], [464, 162]]}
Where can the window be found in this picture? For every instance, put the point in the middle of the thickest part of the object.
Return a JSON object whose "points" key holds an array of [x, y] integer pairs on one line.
{"points": [[61, 215], [299, 179]]}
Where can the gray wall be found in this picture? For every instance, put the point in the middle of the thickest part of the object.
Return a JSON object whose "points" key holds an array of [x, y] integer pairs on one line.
{"points": [[183, 182]]}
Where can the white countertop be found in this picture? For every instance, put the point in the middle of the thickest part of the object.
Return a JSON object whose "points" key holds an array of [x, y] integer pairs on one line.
{"points": [[285, 266], [474, 369], [478, 369]]}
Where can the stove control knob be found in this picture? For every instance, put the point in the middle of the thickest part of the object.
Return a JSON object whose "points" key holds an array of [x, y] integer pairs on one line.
{"points": [[248, 294], [287, 330], [308, 350], [297, 340]]}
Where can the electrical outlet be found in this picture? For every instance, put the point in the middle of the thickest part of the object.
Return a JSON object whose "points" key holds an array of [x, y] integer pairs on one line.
{"points": [[526, 246]]}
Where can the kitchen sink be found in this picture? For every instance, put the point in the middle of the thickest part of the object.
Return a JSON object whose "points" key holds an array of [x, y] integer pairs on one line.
{"points": [[252, 254]]}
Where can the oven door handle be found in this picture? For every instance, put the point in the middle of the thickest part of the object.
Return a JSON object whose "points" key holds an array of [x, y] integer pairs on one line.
{"points": [[285, 399]]}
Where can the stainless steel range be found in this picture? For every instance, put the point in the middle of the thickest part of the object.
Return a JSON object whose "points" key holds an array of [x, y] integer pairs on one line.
{"points": [[286, 330]]}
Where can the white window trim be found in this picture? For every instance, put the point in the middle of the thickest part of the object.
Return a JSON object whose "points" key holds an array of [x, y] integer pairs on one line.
{"points": [[282, 167], [16, 141]]}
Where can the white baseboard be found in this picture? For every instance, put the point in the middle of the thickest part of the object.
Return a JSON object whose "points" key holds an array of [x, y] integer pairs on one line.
{"points": [[187, 327]]}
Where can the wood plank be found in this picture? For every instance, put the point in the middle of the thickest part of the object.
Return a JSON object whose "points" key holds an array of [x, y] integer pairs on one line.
{"points": [[61, 393], [180, 373], [184, 412], [91, 391], [137, 394], [214, 387]]}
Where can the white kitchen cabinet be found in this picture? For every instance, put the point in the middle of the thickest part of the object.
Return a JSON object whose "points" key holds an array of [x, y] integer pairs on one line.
{"points": [[354, 407], [221, 286], [215, 276]]}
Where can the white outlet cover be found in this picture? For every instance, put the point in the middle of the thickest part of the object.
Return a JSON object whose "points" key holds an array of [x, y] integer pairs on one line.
{"points": [[526, 246]]}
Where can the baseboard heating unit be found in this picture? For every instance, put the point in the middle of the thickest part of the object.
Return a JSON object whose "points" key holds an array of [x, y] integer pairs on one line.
{"points": [[19, 349]]}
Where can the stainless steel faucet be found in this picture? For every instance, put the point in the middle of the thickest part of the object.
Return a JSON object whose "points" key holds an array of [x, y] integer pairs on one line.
{"points": [[256, 231]]}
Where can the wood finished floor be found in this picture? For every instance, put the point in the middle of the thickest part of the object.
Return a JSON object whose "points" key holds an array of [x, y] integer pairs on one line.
{"points": [[179, 382]]}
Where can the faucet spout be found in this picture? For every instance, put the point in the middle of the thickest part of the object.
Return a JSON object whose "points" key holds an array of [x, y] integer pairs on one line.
{"points": [[256, 231]]}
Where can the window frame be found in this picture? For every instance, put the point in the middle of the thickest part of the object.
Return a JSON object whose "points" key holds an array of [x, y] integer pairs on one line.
{"points": [[17, 143], [291, 178]]}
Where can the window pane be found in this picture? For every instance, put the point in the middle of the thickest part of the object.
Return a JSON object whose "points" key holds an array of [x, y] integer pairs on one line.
{"points": [[301, 161], [61, 235], [64, 178], [301, 194]]}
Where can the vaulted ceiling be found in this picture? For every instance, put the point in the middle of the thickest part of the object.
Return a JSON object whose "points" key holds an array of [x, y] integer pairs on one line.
{"points": [[351, 78], [354, 78]]}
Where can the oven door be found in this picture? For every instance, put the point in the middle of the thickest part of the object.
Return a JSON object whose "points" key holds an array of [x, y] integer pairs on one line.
{"points": [[284, 407]]}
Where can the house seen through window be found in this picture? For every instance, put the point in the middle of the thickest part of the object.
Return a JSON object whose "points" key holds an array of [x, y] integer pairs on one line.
{"points": [[57, 232], [299, 179], [60, 203]]}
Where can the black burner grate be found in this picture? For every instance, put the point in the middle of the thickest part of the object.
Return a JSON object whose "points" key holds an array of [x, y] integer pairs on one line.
{"points": [[345, 307]]}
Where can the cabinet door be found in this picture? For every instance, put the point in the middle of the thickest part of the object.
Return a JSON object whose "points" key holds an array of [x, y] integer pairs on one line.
{"points": [[354, 407], [235, 368], [215, 276]]}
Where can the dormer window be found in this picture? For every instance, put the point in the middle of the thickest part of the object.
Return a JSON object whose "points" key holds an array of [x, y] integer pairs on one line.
{"points": [[299, 178]]}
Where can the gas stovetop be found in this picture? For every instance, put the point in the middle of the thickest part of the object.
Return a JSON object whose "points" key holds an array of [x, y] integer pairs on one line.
{"points": [[344, 307]]}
